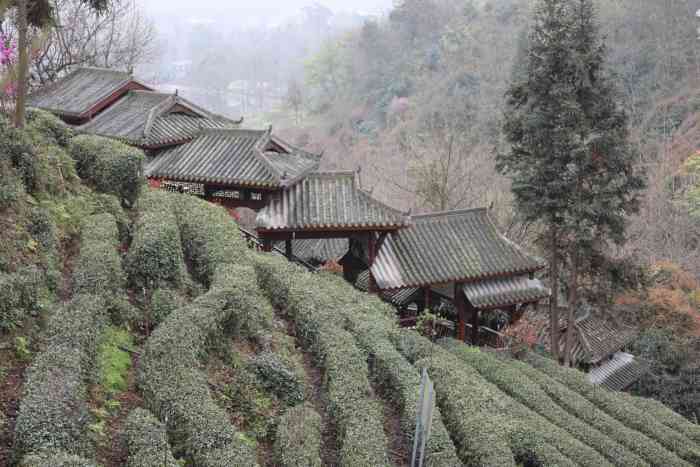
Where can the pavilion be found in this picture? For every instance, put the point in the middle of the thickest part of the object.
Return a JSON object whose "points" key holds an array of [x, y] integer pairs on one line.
{"points": [[463, 252]]}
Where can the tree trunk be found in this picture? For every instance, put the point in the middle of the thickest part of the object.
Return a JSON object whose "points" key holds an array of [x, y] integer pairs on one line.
{"points": [[554, 299], [23, 65], [573, 298]]}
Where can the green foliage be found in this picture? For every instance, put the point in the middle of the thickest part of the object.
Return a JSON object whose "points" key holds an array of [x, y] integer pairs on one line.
{"points": [[11, 185], [114, 360], [98, 269], [346, 381], [53, 412], [155, 258], [174, 386], [109, 204], [163, 303], [147, 441], [570, 161], [210, 236], [111, 167], [298, 440], [278, 377], [252, 402], [509, 379], [52, 458], [48, 129], [673, 373], [622, 410], [19, 296], [22, 351]]}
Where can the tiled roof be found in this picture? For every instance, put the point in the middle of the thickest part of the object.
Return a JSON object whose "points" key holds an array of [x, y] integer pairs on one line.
{"points": [[150, 119], [455, 246], [320, 250], [494, 293], [618, 373], [78, 92], [594, 338], [233, 157], [401, 297], [327, 201]]}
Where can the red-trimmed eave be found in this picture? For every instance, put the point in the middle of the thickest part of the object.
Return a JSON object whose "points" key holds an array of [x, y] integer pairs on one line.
{"points": [[112, 98], [334, 228], [224, 186], [468, 280]]}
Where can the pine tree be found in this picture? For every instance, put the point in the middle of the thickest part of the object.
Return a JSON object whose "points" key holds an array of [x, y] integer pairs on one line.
{"points": [[570, 162]]}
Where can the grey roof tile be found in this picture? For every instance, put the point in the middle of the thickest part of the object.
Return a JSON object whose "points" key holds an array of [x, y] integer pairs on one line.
{"points": [[400, 297], [455, 246], [320, 250], [231, 157], [78, 92], [618, 373], [494, 293], [327, 201]]}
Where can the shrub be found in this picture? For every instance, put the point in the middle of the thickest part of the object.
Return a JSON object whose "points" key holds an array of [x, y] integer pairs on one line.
{"points": [[298, 440], [53, 413], [360, 433], [666, 416], [510, 380], [110, 166], [175, 388], [579, 406], [163, 303], [620, 409], [210, 237], [155, 258], [11, 185], [278, 377], [98, 269], [147, 441], [19, 295], [55, 459], [48, 129], [109, 204]]}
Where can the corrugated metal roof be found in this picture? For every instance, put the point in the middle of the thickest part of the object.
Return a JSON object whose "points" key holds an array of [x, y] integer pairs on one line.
{"points": [[79, 91], [330, 200], [230, 157], [446, 247], [618, 373], [148, 119], [493, 293], [320, 250], [401, 297]]}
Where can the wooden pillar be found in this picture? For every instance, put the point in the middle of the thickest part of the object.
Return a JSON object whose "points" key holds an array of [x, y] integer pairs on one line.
{"points": [[427, 299], [475, 325], [288, 248], [371, 253], [266, 245], [460, 305]]}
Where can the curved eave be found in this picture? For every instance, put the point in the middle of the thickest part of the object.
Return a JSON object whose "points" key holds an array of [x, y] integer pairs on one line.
{"points": [[466, 279]]}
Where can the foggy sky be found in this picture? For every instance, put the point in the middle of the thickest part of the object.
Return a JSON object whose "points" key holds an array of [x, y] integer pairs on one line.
{"points": [[253, 10]]}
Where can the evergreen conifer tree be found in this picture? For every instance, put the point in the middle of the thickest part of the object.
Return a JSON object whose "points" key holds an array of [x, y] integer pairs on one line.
{"points": [[571, 166]]}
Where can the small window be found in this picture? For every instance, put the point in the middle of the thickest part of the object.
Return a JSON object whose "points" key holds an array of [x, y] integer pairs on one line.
{"points": [[229, 194], [256, 196]]}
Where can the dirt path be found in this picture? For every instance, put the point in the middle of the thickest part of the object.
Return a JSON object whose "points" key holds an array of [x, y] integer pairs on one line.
{"points": [[313, 378], [399, 450], [10, 395], [112, 451]]}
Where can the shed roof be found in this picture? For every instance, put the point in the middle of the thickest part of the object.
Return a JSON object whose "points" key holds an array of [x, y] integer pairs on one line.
{"points": [[618, 373], [77, 93], [327, 201], [153, 119], [505, 291], [233, 157], [453, 246]]}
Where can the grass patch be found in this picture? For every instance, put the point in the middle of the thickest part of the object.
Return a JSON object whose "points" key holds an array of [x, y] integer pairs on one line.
{"points": [[114, 360]]}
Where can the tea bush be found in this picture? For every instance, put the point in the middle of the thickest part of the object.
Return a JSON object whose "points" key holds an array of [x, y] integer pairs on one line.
{"points": [[109, 166], [19, 295], [360, 433], [98, 268], [155, 258], [174, 386], [147, 441], [163, 303], [55, 459], [278, 377], [53, 412], [298, 440], [621, 409]]}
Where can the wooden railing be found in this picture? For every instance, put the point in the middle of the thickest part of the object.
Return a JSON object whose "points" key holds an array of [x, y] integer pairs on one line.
{"points": [[254, 243]]}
